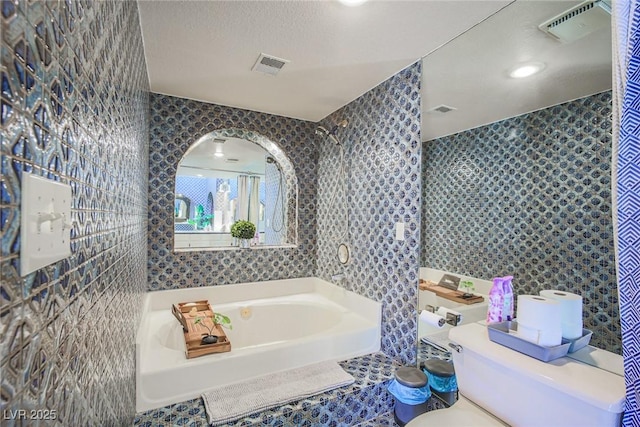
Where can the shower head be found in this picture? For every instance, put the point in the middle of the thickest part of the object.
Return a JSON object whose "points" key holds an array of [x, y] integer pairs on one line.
{"points": [[321, 130], [341, 124]]}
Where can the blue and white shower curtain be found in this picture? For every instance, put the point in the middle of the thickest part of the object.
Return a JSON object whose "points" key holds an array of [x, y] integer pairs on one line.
{"points": [[626, 182]]}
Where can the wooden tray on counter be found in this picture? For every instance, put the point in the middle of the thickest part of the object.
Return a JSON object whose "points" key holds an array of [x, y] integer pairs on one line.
{"points": [[187, 313], [456, 296]]}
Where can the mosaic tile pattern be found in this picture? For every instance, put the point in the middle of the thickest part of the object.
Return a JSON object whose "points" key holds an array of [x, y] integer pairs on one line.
{"points": [[365, 399], [74, 109], [380, 186], [531, 197], [388, 418], [178, 123], [384, 420]]}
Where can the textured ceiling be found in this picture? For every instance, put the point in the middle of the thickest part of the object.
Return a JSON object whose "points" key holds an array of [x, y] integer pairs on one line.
{"points": [[205, 50]]}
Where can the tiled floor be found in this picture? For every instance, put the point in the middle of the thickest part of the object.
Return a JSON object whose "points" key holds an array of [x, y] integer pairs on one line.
{"points": [[366, 403], [384, 420], [364, 400]]}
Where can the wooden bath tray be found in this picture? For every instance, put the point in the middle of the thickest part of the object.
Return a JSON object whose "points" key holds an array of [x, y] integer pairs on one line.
{"points": [[456, 296], [187, 313]]}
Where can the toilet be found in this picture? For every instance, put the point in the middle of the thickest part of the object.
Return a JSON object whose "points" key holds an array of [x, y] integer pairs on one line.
{"points": [[499, 386]]}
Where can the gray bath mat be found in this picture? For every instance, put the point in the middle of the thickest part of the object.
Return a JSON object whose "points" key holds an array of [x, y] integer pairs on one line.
{"points": [[238, 400]]}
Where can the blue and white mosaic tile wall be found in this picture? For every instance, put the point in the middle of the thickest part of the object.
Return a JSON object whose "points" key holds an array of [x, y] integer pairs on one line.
{"points": [[382, 144], [178, 123], [74, 109], [380, 187], [529, 196]]}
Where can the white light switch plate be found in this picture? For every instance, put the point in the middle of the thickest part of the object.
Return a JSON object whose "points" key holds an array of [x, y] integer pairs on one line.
{"points": [[42, 240], [399, 230]]}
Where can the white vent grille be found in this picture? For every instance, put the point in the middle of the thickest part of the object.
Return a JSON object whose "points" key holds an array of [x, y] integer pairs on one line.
{"points": [[579, 21], [571, 14], [441, 109], [269, 64]]}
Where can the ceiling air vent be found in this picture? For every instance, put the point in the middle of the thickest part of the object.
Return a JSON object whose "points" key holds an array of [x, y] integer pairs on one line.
{"points": [[232, 160], [269, 64], [579, 21], [441, 109]]}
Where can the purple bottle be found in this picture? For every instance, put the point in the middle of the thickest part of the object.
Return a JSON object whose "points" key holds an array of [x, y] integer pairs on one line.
{"points": [[507, 292], [496, 301]]}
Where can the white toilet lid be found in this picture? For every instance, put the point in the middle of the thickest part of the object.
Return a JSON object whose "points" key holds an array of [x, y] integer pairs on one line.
{"points": [[463, 413]]}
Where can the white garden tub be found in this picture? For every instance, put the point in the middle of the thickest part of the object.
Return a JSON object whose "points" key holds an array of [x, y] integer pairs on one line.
{"points": [[292, 323]]}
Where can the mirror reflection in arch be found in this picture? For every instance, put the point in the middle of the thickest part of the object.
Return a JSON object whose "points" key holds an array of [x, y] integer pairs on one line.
{"points": [[232, 175]]}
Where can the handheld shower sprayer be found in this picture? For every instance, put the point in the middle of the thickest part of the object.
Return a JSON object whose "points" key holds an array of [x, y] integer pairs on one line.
{"points": [[272, 161], [341, 124], [278, 225], [321, 130]]}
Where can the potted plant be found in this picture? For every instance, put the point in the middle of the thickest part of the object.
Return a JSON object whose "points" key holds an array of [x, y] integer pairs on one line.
{"points": [[218, 319], [243, 230]]}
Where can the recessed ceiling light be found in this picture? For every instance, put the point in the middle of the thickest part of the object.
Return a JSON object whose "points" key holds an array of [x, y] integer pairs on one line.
{"points": [[352, 2], [526, 70]]}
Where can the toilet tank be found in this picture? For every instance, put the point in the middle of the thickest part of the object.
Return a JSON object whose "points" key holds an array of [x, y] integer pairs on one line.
{"points": [[523, 391]]}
